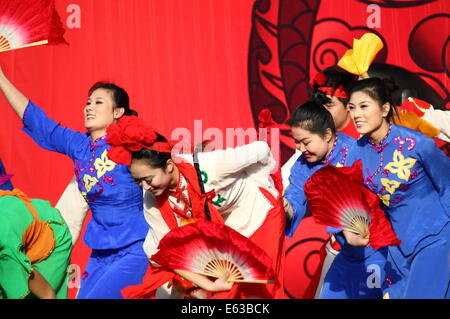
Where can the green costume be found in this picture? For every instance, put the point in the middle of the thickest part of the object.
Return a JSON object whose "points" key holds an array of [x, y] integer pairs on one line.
{"points": [[15, 266]]}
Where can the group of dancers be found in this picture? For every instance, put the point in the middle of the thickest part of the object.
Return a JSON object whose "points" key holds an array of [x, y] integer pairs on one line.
{"points": [[138, 190]]}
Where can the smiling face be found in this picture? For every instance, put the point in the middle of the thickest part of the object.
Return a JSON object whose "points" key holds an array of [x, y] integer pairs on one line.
{"points": [[338, 111], [313, 146], [368, 115], [156, 180], [100, 112]]}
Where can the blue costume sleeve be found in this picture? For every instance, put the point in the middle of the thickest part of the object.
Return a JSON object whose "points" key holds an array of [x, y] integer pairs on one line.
{"points": [[437, 167], [7, 186], [333, 230], [296, 197], [49, 134]]}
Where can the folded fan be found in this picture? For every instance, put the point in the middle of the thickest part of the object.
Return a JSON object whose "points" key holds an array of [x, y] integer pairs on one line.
{"points": [[211, 249], [25, 23], [338, 198]]}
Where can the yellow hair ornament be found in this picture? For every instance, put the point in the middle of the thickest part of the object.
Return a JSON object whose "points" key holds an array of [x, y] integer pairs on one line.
{"points": [[359, 59]]}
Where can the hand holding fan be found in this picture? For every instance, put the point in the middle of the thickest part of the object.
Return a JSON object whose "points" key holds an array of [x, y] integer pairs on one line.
{"points": [[212, 249], [25, 23], [338, 198]]}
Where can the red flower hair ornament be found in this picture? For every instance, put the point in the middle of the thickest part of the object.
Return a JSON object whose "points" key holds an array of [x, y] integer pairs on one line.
{"points": [[131, 134], [337, 92]]}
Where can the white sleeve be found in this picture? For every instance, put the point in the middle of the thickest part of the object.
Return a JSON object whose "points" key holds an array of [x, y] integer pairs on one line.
{"points": [[233, 160], [158, 227], [286, 168], [73, 208], [441, 120], [222, 166]]}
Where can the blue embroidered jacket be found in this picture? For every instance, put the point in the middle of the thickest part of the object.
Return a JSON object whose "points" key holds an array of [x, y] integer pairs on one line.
{"points": [[411, 176], [115, 200]]}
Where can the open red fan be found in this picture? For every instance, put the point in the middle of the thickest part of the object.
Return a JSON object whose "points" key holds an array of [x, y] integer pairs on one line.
{"points": [[211, 249], [25, 23], [338, 198]]}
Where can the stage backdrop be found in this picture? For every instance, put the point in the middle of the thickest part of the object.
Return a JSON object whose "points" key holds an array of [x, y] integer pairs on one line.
{"points": [[292, 40], [218, 61]]}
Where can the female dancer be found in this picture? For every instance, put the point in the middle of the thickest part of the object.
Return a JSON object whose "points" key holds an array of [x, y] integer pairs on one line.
{"points": [[314, 133], [239, 192], [411, 176], [117, 229]]}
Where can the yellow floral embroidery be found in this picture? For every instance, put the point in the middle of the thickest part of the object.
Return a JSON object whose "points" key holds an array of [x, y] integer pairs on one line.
{"points": [[390, 186], [103, 165], [385, 198], [90, 182], [401, 165]]}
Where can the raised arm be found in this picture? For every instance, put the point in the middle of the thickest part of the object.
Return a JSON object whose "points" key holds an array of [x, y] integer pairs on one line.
{"points": [[15, 98]]}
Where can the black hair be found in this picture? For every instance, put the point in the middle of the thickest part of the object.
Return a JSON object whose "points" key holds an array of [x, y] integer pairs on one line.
{"points": [[335, 76], [154, 158], [120, 96], [313, 117], [381, 90]]}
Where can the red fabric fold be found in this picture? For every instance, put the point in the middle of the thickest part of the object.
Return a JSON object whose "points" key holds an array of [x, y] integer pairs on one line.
{"points": [[153, 279]]}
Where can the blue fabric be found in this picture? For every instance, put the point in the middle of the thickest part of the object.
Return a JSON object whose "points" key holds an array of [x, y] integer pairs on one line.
{"points": [[423, 275], [333, 230], [302, 170], [348, 274], [8, 186], [414, 186], [109, 271], [115, 200], [356, 273]]}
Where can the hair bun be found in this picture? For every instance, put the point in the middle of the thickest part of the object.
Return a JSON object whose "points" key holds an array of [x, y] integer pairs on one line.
{"points": [[131, 112], [390, 86]]}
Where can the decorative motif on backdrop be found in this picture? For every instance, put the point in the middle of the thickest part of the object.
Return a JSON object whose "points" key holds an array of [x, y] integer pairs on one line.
{"points": [[292, 40]]}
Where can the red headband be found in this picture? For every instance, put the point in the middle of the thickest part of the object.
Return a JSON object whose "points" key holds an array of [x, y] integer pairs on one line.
{"points": [[337, 92], [320, 79], [131, 134]]}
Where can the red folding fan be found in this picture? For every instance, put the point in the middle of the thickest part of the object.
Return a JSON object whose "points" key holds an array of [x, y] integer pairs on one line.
{"points": [[338, 198], [211, 249], [25, 23]]}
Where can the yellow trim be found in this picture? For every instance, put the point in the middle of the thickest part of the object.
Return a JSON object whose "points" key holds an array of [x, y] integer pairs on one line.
{"points": [[389, 185]]}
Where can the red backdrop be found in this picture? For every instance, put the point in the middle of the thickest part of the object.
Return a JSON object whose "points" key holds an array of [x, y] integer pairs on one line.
{"points": [[178, 60]]}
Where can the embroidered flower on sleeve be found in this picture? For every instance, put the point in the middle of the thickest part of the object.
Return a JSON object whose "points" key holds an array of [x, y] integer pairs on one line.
{"points": [[401, 165]]}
